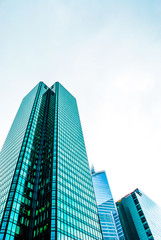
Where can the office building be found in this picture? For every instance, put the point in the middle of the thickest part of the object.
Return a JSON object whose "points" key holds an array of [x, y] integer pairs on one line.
{"points": [[140, 217], [46, 187], [109, 219]]}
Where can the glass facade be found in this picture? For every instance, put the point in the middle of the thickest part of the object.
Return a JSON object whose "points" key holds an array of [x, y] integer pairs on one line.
{"points": [[46, 190], [140, 216], [109, 219]]}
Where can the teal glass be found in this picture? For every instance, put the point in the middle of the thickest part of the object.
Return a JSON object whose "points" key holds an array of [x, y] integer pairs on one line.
{"points": [[140, 216], [47, 191], [77, 216]]}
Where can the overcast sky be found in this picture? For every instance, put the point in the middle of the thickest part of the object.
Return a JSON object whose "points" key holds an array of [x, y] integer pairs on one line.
{"points": [[108, 55]]}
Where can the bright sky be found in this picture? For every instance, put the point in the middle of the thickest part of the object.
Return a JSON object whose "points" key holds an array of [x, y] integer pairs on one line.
{"points": [[108, 55]]}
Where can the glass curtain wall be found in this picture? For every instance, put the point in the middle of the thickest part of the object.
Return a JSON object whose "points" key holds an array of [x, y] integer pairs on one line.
{"points": [[47, 191]]}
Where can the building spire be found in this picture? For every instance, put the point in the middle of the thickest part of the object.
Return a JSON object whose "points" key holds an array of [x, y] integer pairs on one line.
{"points": [[92, 169]]}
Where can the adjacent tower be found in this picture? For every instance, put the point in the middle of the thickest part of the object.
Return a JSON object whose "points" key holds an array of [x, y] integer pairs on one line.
{"points": [[109, 219], [46, 187], [140, 216]]}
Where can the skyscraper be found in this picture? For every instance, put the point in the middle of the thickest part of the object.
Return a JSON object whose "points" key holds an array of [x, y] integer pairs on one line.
{"points": [[109, 219], [140, 217], [46, 187]]}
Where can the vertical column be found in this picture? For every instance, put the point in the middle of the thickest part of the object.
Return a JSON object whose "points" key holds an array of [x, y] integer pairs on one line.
{"points": [[54, 169]]}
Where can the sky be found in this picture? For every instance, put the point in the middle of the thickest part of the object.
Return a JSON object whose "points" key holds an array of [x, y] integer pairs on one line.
{"points": [[108, 55]]}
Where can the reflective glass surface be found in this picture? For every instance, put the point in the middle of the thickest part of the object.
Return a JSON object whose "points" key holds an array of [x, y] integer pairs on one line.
{"points": [[47, 191], [15, 164], [77, 216], [140, 216], [152, 213], [109, 219]]}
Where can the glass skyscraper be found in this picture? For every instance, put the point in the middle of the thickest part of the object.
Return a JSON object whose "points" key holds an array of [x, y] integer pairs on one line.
{"points": [[140, 217], [109, 219], [46, 191]]}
